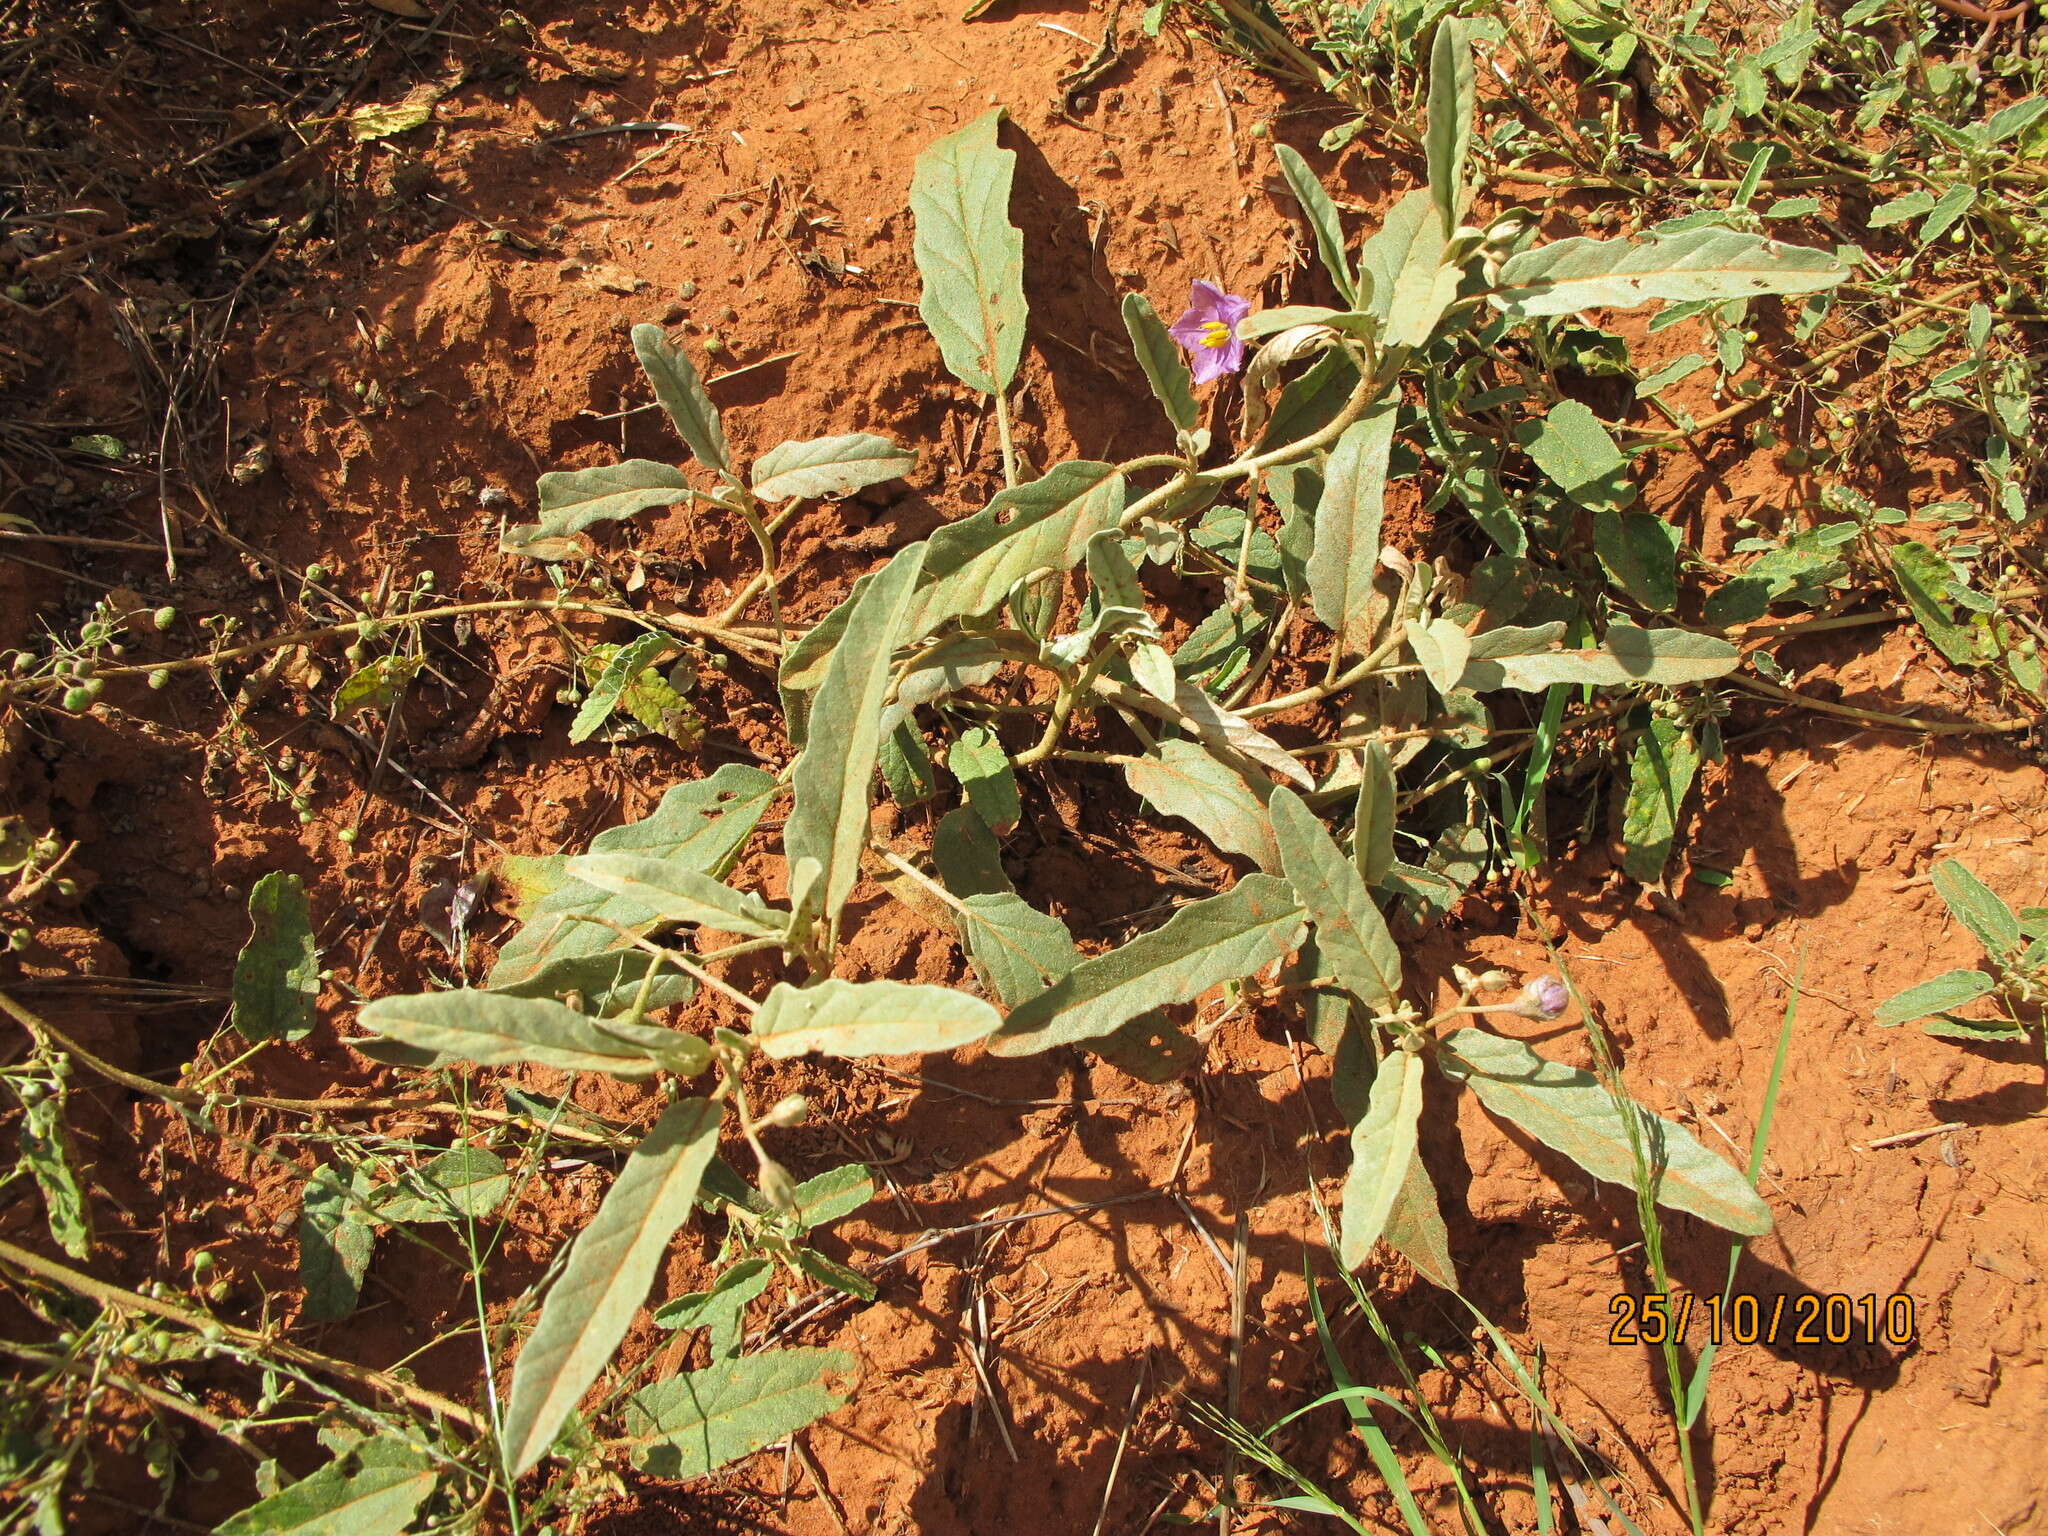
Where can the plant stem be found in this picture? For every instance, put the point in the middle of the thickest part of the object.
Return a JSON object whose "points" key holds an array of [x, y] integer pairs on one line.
{"points": [[1003, 432]]}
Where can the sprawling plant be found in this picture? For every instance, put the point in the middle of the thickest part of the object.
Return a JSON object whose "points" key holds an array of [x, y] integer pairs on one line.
{"points": [[1415, 371]]}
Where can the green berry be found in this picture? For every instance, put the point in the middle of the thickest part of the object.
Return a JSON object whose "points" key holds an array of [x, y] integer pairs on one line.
{"points": [[164, 617], [316, 572], [78, 699], [160, 678], [347, 836]]}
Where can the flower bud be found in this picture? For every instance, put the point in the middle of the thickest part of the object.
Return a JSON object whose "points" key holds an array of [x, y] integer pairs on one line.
{"points": [[790, 1112], [1542, 999]]}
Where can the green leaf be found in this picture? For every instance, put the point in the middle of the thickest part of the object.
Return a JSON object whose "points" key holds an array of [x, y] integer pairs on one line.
{"points": [[1382, 1151], [1923, 577], [1204, 944], [1447, 139], [1323, 220], [978, 761], [1372, 833], [277, 974], [46, 1152], [495, 1030], [1640, 553], [970, 255], [624, 665], [1979, 908], [1571, 1112], [376, 1489], [1347, 525], [571, 500], [683, 396], [378, 685], [1660, 775], [1628, 655], [1951, 989], [1226, 806], [869, 1018], [1415, 1227], [1983, 1031], [1571, 447], [1350, 933], [835, 771], [1899, 209], [1411, 285], [1160, 356], [679, 894], [1597, 32], [1219, 647], [722, 1309], [1442, 650], [2008, 122], [1566, 276], [611, 1264], [334, 1246], [463, 1183], [829, 466], [838, 1192], [907, 765], [1942, 217], [697, 1422]]}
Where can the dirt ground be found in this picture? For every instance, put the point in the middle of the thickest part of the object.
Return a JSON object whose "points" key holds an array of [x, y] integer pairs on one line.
{"points": [[413, 329]]}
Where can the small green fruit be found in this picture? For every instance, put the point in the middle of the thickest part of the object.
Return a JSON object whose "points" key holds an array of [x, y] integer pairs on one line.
{"points": [[164, 617]]}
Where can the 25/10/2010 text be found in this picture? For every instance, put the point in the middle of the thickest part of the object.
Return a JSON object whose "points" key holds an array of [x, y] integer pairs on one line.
{"points": [[1809, 1319]]}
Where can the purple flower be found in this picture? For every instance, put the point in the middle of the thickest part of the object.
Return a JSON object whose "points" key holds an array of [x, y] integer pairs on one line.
{"points": [[1207, 331], [1542, 999]]}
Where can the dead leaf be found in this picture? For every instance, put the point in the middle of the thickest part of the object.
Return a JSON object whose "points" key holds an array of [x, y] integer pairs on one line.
{"points": [[1217, 728], [613, 279]]}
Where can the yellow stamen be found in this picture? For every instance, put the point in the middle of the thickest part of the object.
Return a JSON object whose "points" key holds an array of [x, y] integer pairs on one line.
{"points": [[1216, 334]]}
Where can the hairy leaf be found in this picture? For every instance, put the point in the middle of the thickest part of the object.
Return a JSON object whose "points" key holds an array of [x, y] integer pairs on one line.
{"points": [[1160, 356], [335, 1243], [1323, 220], [698, 1421], [1447, 139], [722, 1309], [1415, 1227], [1233, 737], [1628, 655], [1938, 994], [1571, 1112], [978, 761], [1441, 649], [869, 1018], [495, 1030], [1382, 1151], [837, 1192], [1571, 447], [1347, 525], [829, 466], [1225, 806], [571, 500], [1350, 933], [1660, 774], [1978, 908], [375, 1489], [679, 894], [1372, 834], [970, 255], [611, 1264], [1640, 552], [683, 396], [834, 773], [1203, 945], [1565, 276], [277, 974], [464, 1182]]}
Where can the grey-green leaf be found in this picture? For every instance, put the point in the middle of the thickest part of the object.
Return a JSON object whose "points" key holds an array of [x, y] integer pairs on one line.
{"points": [[1571, 447], [46, 1153], [1350, 933], [1323, 220], [1226, 806], [697, 1422], [571, 500], [1372, 833], [1938, 994], [834, 773], [494, 1030], [464, 1182], [376, 1489], [1203, 945], [611, 1264], [1347, 526], [1660, 775], [829, 466], [869, 1018], [335, 1243], [1978, 908], [277, 974], [682, 394], [1415, 1227], [1640, 552], [1565, 276], [679, 894], [1382, 1150], [626, 663], [1159, 355], [970, 255], [1570, 1111], [1628, 655], [978, 761], [1447, 138]]}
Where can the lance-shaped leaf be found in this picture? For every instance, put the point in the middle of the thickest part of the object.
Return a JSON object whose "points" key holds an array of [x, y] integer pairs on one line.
{"points": [[1225, 805], [571, 500], [1447, 138], [1571, 1112], [679, 894], [1347, 524], [1323, 220], [1350, 933], [1660, 774], [1707, 263], [698, 825], [829, 466], [970, 255], [698, 1421], [464, 1182], [1233, 736], [1203, 945], [1411, 283], [1628, 655], [1978, 908], [1372, 830], [833, 774], [1415, 1227], [1951, 989], [1382, 1151], [494, 1030], [869, 1018], [611, 1264], [626, 664], [376, 1488], [1160, 356], [682, 395], [277, 974]]}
